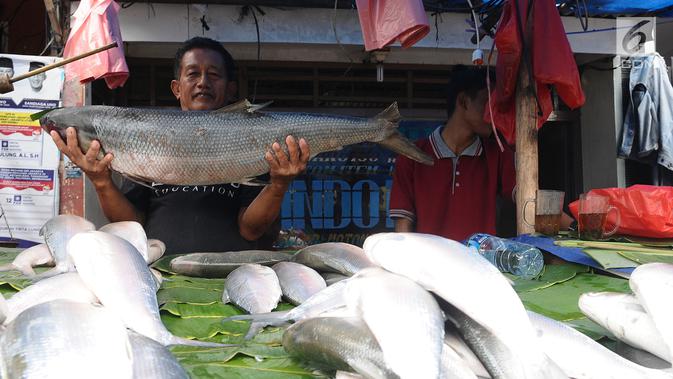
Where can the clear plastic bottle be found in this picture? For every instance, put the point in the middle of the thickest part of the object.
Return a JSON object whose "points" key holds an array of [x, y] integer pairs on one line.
{"points": [[516, 258]]}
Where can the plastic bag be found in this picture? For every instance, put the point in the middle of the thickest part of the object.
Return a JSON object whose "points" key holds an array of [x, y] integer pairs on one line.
{"points": [[95, 25], [385, 21], [646, 211]]}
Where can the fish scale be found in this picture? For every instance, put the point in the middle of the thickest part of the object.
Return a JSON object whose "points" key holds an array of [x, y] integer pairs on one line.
{"points": [[202, 148]]}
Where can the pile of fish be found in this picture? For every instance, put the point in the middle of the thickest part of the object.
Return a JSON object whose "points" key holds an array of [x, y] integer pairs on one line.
{"points": [[95, 314], [421, 306]]}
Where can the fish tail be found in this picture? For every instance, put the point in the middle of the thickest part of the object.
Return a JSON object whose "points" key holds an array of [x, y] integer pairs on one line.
{"points": [[8, 267], [267, 319], [175, 340], [395, 141]]}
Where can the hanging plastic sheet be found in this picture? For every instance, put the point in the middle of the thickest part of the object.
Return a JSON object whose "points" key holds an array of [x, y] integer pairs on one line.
{"points": [[386, 21], [96, 24]]}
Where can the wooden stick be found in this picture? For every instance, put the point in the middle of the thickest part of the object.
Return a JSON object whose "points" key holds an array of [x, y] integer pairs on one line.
{"points": [[615, 246], [61, 63], [526, 143]]}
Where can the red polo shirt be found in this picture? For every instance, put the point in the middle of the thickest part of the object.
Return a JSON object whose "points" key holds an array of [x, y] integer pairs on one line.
{"points": [[456, 196]]}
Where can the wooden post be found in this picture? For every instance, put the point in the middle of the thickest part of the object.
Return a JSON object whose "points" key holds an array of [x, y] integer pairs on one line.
{"points": [[526, 149]]}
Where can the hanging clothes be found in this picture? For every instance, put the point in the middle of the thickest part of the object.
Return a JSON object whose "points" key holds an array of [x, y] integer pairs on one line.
{"points": [[386, 21], [552, 62], [96, 24], [647, 134]]}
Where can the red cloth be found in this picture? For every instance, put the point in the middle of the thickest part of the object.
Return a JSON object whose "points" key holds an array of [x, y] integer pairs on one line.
{"points": [[553, 64], [385, 21], [95, 25], [455, 209]]}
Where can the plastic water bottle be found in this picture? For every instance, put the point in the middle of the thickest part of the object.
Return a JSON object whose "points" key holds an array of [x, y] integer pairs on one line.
{"points": [[516, 258]]}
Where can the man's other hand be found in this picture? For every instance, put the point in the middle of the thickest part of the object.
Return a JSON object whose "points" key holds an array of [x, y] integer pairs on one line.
{"points": [[285, 167]]}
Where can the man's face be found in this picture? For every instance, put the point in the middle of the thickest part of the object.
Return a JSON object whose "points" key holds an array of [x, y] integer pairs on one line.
{"points": [[474, 114], [37, 80], [202, 83], [7, 71]]}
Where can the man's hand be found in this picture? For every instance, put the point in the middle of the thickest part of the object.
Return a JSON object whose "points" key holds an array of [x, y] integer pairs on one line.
{"points": [[97, 171], [285, 167]]}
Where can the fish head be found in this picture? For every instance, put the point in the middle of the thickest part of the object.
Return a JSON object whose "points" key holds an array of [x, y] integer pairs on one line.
{"points": [[80, 118]]}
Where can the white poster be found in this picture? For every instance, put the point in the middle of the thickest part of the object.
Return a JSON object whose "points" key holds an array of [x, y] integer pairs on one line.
{"points": [[28, 157]]}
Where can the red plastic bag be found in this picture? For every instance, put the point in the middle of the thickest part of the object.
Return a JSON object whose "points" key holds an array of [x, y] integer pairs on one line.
{"points": [[646, 211], [95, 25]]}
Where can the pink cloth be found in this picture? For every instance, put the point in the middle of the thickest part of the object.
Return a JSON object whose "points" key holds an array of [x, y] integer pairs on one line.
{"points": [[385, 21], [96, 24]]}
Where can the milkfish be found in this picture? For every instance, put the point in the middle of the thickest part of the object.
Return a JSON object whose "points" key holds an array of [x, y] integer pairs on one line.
{"points": [[626, 319], [57, 232], [298, 282], [119, 277], [37, 255], [212, 147], [64, 339], [219, 265], [338, 257], [442, 266]]}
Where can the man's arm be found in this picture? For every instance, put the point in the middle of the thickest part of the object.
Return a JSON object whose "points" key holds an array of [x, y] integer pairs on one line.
{"points": [[114, 204], [403, 225], [255, 219]]}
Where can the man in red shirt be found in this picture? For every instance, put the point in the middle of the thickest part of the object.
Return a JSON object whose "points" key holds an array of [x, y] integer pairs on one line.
{"points": [[455, 197]]}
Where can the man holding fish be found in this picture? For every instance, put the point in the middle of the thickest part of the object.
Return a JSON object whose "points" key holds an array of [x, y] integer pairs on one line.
{"points": [[204, 217]]}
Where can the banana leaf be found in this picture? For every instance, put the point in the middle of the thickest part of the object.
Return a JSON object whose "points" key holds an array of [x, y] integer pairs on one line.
{"points": [[189, 295], [560, 301], [588, 327], [551, 275], [242, 367], [610, 258], [645, 257]]}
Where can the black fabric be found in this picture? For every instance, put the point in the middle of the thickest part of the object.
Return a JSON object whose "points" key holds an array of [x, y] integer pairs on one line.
{"points": [[194, 218]]}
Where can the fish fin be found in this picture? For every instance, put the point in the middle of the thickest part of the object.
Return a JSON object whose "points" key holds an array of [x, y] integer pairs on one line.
{"points": [[138, 181], [390, 114], [175, 340], [255, 181], [255, 328], [242, 106], [269, 319], [38, 115], [401, 145]]}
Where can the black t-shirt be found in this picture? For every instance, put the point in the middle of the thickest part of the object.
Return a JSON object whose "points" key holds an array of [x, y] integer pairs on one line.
{"points": [[194, 218]]}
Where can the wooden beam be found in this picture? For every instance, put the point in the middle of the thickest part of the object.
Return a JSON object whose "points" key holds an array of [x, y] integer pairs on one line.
{"points": [[526, 137]]}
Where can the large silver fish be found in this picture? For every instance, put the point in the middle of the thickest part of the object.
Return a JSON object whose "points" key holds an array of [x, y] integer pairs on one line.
{"points": [[37, 255], [219, 265], [471, 284], [68, 286], [338, 257], [64, 339], [626, 319], [338, 343], [151, 360], [580, 357], [119, 277], [57, 232], [222, 146], [255, 288], [298, 282], [652, 284]]}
